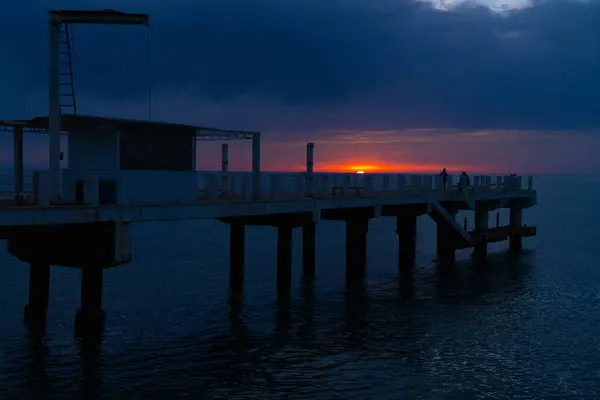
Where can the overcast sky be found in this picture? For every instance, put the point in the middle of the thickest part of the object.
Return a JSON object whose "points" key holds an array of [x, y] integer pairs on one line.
{"points": [[490, 85]]}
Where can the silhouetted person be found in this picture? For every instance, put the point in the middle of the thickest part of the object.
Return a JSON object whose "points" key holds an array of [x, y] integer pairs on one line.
{"points": [[513, 181], [444, 175], [464, 180]]}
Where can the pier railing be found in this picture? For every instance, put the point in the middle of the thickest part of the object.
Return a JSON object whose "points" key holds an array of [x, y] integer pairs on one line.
{"points": [[279, 186], [237, 186]]}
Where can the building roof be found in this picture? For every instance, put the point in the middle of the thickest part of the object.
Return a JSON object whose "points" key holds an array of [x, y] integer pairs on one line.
{"points": [[70, 123]]}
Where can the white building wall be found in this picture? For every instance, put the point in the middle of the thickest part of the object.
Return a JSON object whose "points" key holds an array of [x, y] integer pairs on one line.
{"points": [[90, 153]]}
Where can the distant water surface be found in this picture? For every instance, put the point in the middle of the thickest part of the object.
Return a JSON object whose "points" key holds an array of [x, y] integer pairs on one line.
{"points": [[518, 328]]}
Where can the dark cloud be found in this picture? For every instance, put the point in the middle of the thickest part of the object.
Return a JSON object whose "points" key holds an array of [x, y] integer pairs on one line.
{"points": [[403, 62]]}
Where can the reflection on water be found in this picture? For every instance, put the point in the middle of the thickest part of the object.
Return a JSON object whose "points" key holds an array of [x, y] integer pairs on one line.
{"points": [[352, 338]]}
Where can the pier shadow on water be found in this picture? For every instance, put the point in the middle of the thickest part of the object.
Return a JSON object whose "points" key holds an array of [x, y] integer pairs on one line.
{"points": [[388, 330]]}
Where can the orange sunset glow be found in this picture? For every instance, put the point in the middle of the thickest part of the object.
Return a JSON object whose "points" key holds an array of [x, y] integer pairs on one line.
{"points": [[390, 168]]}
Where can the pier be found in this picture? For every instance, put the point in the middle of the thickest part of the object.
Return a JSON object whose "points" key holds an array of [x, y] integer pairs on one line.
{"points": [[122, 172]]}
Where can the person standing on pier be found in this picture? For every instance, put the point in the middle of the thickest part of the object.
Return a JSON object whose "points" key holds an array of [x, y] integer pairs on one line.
{"points": [[463, 181], [444, 175], [467, 179]]}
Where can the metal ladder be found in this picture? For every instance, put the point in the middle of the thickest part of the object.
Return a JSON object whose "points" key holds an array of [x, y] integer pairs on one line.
{"points": [[67, 87]]}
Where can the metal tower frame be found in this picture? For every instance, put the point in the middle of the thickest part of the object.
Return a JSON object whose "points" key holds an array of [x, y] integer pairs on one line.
{"points": [[58, 19]]}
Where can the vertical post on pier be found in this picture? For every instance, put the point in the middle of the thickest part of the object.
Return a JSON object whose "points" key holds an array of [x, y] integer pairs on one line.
{"points": [[90, 317], [363, 232], [225, 169], [308, 251], [54, 118], [406, 228], [310, 147], [445, 250], [256, 165], [482, 216], [284, 259], [516, 221], [18, 162], [356, 238], [237, 250], [39, 293]]}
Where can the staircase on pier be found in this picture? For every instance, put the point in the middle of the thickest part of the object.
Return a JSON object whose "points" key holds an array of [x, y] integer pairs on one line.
{"points": [[458, 236]]}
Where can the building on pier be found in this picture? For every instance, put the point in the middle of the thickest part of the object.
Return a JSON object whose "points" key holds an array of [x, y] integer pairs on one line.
{"points": [[122, 161]]}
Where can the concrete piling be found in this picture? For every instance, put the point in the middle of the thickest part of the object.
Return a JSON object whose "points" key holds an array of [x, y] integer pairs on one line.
{"points": [[356, 247], [481, 225], [516, 221], [308, 251], [39, 293], [363, 232], [445, 249], [237, 249], [406, 228], [90, 317], [284, 259]]}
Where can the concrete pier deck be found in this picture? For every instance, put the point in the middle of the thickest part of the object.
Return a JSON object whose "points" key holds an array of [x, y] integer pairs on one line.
{"points": [[287, 194]]}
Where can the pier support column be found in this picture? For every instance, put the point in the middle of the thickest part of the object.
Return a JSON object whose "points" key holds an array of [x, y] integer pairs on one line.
{"points": [[90, 317], [406, 228], [446, 252], [363, 232], [237, 249], [482, 216], [356, 248], [516, 221], [308, 251], [284, 259], [39, 293]]}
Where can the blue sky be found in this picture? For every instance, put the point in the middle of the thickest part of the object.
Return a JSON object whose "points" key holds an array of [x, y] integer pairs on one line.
{"points": [[418, 83]]}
